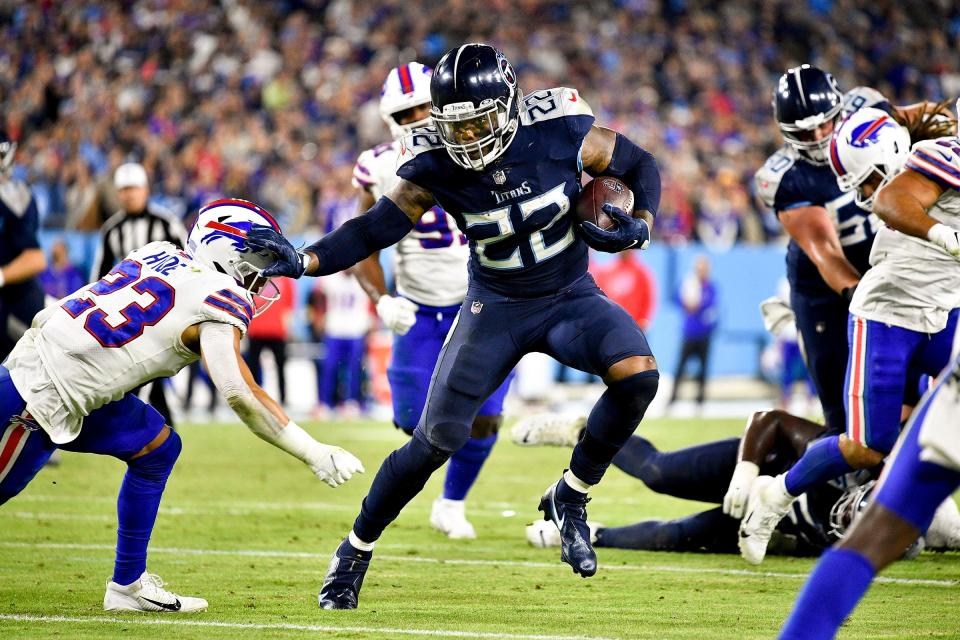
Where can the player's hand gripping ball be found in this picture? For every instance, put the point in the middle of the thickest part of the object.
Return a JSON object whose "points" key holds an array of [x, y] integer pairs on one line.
{"points": [[604, 209]]}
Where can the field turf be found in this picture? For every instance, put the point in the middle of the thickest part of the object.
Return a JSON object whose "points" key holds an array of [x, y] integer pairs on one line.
{"points": [[251, 530]]}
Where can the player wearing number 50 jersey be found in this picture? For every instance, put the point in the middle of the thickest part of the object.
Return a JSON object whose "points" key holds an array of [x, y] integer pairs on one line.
{"points": [[431, 279], [830, 236], [505, 167], [67, 382]]}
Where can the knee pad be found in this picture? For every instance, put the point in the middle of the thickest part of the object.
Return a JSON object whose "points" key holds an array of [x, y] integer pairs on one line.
{"points": [[447, 436], [636, 392], [485, 426], [157, 464], [435, 454]]}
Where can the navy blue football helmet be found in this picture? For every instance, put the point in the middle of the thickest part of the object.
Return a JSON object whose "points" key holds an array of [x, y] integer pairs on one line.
{"points": [[807, 97], [476, 104], [8, 150]]}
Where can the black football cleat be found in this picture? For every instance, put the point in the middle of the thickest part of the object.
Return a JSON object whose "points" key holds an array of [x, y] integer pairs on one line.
{"points": [[341, 586], [570, 517]]}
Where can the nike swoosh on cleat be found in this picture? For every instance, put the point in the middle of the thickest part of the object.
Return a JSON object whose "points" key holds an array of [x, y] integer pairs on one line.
{"points": [[169, 606], [744, 534]]}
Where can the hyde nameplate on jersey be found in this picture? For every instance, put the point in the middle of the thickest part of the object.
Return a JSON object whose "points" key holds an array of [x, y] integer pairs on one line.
{"points": [[515, 211], [140, 310]]}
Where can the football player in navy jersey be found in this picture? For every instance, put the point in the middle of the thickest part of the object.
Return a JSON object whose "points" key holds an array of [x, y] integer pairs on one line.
{"points": [[505, 166], [830, 236]]}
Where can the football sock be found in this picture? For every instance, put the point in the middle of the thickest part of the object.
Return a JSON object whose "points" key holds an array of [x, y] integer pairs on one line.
{"points": [[821, 462], [357, 543], [711, 531], [137, 507], [836, 585], [465, 466], [612, 421], [400, 478], [699, 473]]}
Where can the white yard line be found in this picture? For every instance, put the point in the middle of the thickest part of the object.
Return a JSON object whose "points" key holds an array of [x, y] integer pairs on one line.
{"points": [[324, 557], [252, 626]]}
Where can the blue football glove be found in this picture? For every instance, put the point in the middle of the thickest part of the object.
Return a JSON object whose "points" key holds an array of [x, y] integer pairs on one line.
{"points": [[629, 232], [289, 262]]}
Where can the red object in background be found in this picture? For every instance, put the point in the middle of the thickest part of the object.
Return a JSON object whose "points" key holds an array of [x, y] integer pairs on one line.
{"points": [[273, 324], [629, 283]]}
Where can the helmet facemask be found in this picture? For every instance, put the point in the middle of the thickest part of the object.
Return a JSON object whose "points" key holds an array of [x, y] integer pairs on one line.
{"points": [[848, 508], [476, 136], [796, 135]]}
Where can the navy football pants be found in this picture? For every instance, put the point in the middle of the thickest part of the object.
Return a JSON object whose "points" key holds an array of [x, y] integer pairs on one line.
{"points": [[579, 326], [822, 323]]}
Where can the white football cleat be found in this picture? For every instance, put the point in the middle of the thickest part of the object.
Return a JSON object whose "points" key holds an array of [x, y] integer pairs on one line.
{"points": [[768, 504], [148, 594], [555, 429], [944, 531], [449, 517], [544, 534]]}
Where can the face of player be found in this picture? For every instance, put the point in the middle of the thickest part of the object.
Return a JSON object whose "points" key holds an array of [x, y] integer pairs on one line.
{"points": [[869, 186], [822, 132], [413, 114], [133, 199]]}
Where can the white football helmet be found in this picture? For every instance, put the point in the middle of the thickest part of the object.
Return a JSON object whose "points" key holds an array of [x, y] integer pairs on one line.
{"points": [[869, 141], [406, 87], [218, 240]]}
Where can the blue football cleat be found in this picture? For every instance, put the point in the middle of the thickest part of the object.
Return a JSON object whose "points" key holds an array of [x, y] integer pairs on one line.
{"points": [[570, 517], [341, 586]]}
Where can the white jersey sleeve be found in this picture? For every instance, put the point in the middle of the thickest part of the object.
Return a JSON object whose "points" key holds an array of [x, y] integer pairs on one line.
{"points": [[430, 263], [119, 332], [913, 283]]}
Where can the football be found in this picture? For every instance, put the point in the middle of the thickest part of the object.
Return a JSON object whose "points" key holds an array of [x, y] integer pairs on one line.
{"points": [[599, 191]]}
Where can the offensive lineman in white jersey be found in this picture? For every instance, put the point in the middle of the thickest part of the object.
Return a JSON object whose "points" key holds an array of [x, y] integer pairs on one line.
{"points": [[431, 277], [903, 313], [66, 384]]}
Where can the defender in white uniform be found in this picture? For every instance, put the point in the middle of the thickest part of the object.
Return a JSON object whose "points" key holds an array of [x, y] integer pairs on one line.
{"points": [[430, 264], [903, 314], [67, 382]]}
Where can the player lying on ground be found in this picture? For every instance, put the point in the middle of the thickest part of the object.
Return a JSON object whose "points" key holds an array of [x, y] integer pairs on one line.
{"points": [[431, 276], [904, 312], [923, 472], [721, 472], [506, 168], [66, 384]]}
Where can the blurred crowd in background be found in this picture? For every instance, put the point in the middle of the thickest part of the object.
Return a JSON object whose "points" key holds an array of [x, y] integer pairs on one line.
{"points": [[272, 101]]}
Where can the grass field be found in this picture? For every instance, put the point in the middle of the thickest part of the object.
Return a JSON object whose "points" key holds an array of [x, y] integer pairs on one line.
{"points": [[251, 530]]}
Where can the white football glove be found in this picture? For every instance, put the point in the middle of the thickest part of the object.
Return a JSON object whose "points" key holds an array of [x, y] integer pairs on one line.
{"points": [[398, 314], [946, 238], [735, 502], [777, 315], [332, 464]]}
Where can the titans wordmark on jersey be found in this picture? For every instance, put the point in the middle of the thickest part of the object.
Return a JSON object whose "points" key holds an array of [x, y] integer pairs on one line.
{"points": [[515, 213], [113, 335]]}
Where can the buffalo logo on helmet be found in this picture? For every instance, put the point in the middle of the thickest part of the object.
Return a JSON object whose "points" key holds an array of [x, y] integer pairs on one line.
{"points": [[867, 133]]}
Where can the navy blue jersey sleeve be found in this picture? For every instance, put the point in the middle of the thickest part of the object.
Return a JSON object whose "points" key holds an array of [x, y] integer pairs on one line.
{"points": [[20, 219]]}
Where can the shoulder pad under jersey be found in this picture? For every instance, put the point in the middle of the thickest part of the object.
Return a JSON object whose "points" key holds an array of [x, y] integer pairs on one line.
{"points": [[938, 160]]}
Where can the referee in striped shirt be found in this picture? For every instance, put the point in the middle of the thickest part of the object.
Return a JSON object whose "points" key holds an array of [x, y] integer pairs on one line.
{"points": [[136, 223]]}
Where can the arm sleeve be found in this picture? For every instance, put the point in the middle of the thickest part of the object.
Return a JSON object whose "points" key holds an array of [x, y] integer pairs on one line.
{"points": [[638, 169], [216, 340], [382, 225]]}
